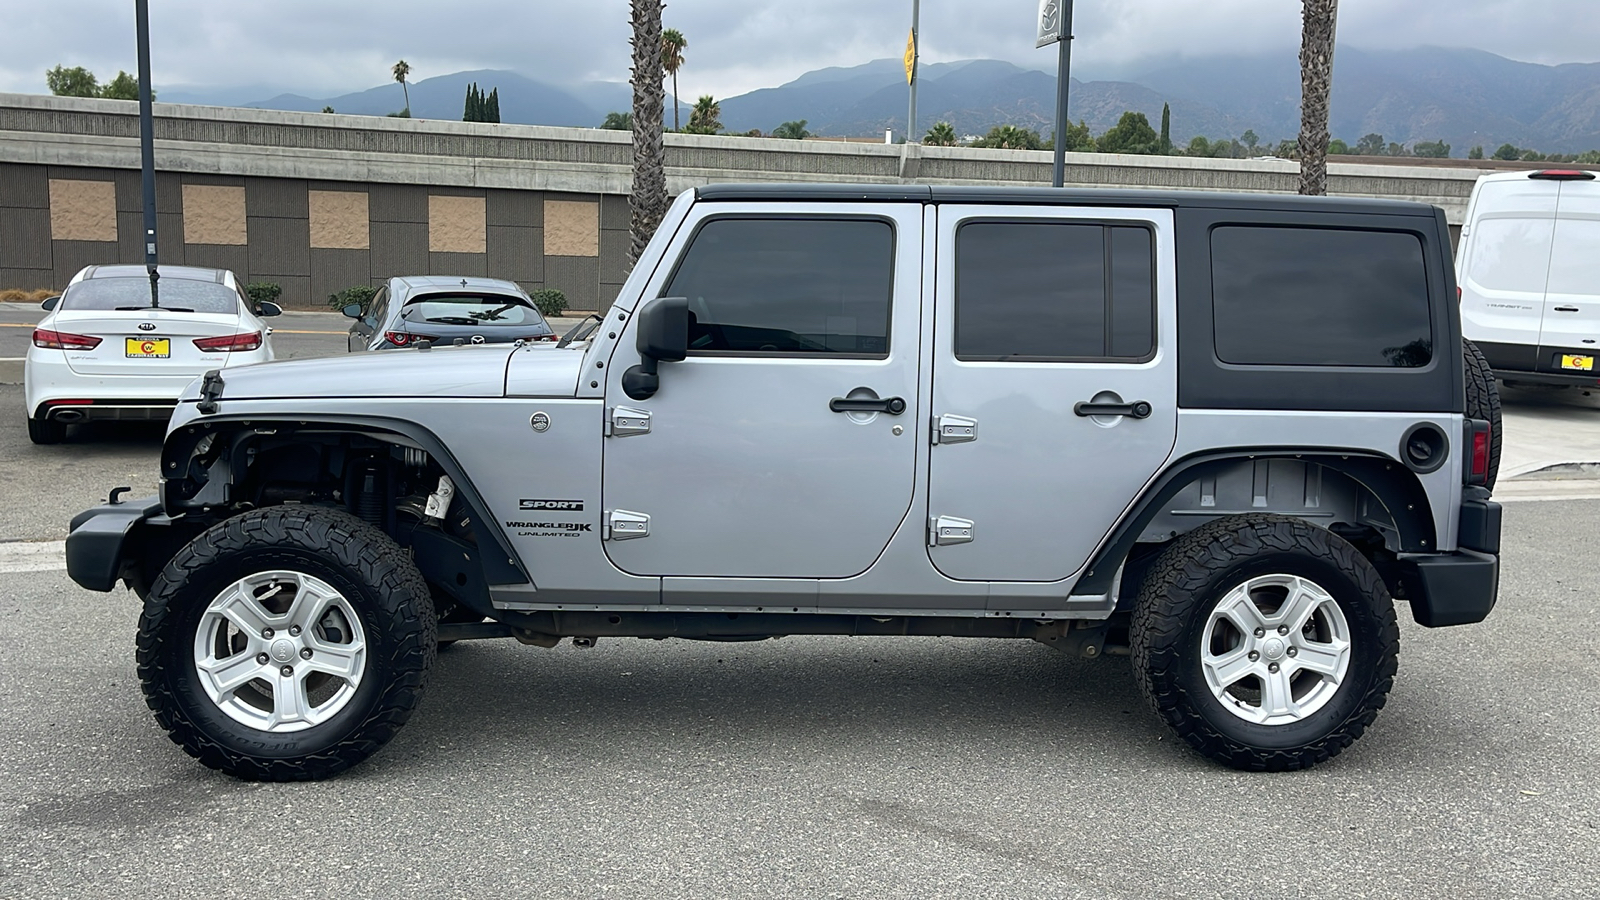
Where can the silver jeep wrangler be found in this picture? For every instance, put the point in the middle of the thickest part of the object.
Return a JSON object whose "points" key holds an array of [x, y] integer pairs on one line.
{"points": [[1220, 434]]}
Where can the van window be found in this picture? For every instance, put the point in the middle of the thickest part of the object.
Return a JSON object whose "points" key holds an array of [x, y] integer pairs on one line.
{"points": [[788, 286], [1510, 254], [1319, 297], [1054, 291]]}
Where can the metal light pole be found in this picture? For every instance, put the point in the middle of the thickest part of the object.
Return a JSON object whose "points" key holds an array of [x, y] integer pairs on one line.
{"points": [[147, 152], [913, 50], [1055, 27]]}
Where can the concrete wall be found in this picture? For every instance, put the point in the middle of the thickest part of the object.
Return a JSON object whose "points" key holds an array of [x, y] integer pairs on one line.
{"points": [[319, 202]]}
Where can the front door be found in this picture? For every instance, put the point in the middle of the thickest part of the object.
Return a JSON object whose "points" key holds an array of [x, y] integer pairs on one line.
{"points": [[760, 458], [1055, 383]]}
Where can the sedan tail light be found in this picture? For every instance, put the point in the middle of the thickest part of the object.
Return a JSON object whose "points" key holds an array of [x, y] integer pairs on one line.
{"points": [[64, 340], [405, 339], [230, 343]]}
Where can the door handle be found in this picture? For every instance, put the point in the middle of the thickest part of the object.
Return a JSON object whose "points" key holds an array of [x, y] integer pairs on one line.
{"points": [[1138, 409], [1566, 309], [894, 406]]}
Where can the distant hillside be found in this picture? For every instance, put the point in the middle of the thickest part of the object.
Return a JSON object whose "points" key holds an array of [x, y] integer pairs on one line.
{"points": [[1463, 97]]}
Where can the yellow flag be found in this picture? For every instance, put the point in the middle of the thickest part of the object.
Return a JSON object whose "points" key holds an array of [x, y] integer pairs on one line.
{"points": [[911, 55]]}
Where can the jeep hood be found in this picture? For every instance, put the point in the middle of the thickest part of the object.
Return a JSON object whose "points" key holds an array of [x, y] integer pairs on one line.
{"points": [[473, 371]]}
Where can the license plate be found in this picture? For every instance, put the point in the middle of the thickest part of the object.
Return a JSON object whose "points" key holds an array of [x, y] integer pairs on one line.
{"points": [[1576, 362], [149, 348]]}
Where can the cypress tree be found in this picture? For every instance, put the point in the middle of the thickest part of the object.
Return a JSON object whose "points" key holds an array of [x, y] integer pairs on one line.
{"points": [[491, 111], [469, 113], [1166, 128]]}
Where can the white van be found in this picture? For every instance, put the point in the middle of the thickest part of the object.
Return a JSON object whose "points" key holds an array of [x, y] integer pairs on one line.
{"points": [[1529, 274]]}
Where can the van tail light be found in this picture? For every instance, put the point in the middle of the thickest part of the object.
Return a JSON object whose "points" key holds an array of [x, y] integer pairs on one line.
{"points": [[231, 343], [1563, 175], [64, 340], [405, 338], [1479, 439]]}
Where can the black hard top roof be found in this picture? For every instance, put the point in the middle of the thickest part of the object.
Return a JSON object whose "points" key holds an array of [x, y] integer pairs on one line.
{"points": [[1048, 196]]}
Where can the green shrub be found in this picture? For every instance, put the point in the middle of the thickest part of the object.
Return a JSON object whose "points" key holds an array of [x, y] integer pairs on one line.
{"points": [[550, 302], [360, 294], [261, 292]]}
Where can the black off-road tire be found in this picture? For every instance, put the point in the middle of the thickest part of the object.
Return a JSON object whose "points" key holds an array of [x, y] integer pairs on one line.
{"points": [[372, 572], [1483, 400], [1185, 585], [44, 431]]}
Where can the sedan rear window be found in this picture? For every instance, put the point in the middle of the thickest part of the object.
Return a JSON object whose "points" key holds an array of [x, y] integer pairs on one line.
{"points": [[177, 295], [471, 309]]}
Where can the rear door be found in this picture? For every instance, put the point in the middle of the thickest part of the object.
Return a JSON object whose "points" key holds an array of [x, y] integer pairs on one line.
{"points": [[1572, 296], [1506, 269], [1054, 383]]}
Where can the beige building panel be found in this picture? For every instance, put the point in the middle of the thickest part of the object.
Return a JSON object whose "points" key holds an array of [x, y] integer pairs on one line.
{"points": [[213, 214], [571, 228], [83, 210], [339, 220], [457, 224]]}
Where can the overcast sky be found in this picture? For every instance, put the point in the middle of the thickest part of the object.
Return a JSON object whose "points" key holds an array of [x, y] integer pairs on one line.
{"points": [[328, 47]]}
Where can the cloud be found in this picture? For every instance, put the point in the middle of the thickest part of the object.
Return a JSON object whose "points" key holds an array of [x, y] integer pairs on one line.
{"points": [[322, 47]]}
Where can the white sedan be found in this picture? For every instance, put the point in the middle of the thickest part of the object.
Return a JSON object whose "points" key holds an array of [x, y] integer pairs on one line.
{"points": [[106, 352]]}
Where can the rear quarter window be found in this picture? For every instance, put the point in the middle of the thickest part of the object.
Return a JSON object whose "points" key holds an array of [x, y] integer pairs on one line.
{"points": [[1320, 297]]}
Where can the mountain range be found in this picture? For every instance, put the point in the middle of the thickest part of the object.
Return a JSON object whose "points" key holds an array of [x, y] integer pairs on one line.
{"points": [[1463, 97]]}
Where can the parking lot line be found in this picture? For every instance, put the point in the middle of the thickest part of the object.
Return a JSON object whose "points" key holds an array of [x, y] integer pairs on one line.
{"points": [[33, 556]]}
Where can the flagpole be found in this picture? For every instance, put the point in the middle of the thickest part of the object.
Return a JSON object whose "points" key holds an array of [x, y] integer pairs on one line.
{"points": [[911, 74]]}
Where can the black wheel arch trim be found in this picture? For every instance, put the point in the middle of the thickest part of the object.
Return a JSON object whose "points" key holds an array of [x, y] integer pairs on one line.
{"points": [[502, 567], [1384, 476]]}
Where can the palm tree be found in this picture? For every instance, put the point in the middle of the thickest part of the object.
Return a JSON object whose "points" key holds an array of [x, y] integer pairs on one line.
{"points": [[648, 200], [706, 117], [672, 44], [1316, 86], [401, 70], [942, 134]]}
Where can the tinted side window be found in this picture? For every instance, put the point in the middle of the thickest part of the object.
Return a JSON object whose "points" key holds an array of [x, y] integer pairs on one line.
{"points": [[1043, 291], [788, 286], [377, 309], [1319, 297]]}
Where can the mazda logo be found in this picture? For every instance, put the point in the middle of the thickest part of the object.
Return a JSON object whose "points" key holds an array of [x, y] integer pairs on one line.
{"points": [[477, 339], [147, 326]]}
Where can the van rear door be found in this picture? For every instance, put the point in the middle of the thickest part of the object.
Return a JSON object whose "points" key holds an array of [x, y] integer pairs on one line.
{"points": [[1571, 330], [1505, 268]]}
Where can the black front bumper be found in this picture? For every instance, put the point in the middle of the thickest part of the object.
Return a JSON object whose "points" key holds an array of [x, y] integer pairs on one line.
{"points": [[99, 546]]}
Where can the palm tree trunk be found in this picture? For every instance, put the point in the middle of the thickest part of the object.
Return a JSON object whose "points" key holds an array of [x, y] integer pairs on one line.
{"points": [[648, 201], [1316, 87], [675, 125]]}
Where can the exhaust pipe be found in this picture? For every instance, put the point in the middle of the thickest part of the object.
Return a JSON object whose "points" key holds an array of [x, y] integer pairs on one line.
{"points": [[67, 416]]}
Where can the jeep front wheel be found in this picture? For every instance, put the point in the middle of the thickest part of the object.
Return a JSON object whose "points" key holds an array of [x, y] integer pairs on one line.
{"points": [[1265, 642], [286, 644]]}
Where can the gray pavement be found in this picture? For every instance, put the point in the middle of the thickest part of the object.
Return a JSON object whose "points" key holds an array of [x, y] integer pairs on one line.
{"points": [[825, 767]]}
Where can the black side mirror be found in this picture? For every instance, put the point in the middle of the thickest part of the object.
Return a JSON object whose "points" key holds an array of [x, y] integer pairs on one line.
{"points": [[661, 332], [268, 308], [50, 303], [352, 311]]}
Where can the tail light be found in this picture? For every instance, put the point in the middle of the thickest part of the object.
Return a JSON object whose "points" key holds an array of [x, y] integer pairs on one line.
{"points": [[63, 340], [405, 339], [1480, 438], [1563, 175], [231, 343]]}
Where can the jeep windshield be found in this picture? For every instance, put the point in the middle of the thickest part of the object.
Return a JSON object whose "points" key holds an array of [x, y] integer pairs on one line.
{"points": [[471, 309]]}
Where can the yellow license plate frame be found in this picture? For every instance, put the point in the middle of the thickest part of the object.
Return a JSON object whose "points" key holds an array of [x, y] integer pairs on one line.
{"points": [[149, 348]]}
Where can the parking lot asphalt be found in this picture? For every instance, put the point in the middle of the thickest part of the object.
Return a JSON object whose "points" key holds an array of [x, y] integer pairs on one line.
{"points": [[825, 767]]}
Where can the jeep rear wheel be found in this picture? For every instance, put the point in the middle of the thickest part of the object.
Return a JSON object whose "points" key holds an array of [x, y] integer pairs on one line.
{"points": [[286, 644], [1265, 642]]}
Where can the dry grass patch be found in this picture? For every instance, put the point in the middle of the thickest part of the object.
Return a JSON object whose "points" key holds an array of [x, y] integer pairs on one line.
{"points": [[15, 295]]}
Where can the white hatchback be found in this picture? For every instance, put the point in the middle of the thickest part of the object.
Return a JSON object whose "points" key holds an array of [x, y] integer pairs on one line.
{"points": [[106, 352]]}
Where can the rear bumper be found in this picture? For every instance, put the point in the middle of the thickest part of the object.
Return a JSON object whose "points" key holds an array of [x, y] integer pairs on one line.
{"points": [[1536, 364], [48, 378], [1458, 588], [99, 543]]}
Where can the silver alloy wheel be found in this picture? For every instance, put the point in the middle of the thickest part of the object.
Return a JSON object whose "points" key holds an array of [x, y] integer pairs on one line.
{"points": [[280, 651], [1275, 649]]}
